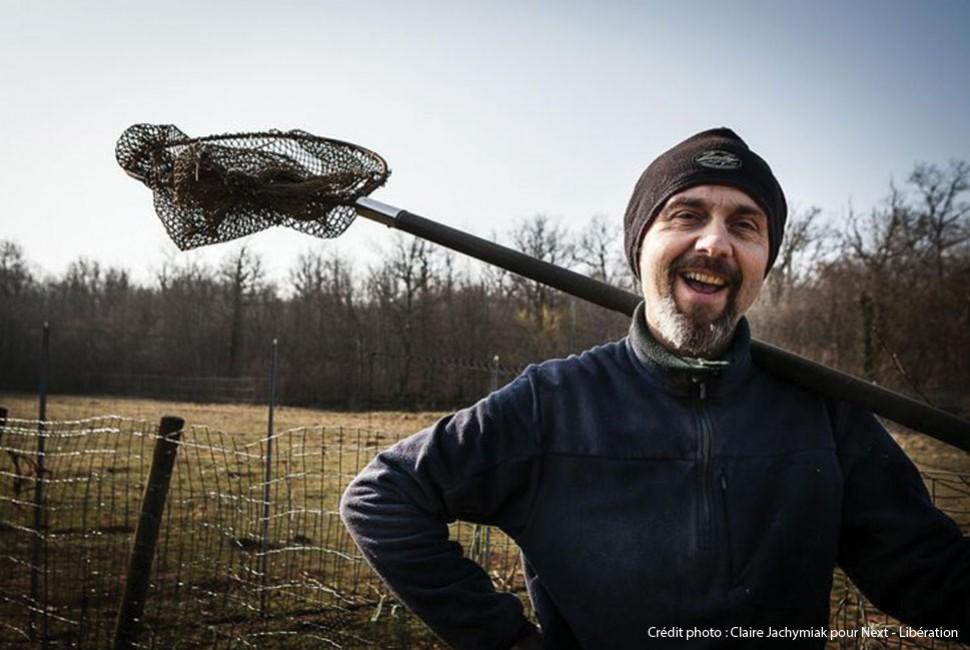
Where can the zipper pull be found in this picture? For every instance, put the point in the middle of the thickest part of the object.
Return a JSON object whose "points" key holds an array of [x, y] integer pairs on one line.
{"points": [[723, 482], [702, 387]]}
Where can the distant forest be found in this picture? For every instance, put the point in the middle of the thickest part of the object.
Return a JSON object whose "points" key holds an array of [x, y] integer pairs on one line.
{"points": [[883, 293]]}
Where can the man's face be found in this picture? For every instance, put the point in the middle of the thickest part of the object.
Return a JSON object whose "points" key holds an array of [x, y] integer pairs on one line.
{"points": [[702, 264]]}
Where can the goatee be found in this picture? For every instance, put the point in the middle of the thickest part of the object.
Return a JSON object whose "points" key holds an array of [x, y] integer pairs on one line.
{"points": [[694, 336]]}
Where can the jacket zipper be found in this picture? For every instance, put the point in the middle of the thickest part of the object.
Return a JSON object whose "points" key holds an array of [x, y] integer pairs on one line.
{"points": [[704, 535]]}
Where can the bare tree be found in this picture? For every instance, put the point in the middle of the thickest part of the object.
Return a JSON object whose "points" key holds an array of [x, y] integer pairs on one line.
{"points": [[402, 286], [325, 337], [542, 239], [241, 273], [943, 218], [598, 249], [21, 303], [806, 240], [15, 276]]}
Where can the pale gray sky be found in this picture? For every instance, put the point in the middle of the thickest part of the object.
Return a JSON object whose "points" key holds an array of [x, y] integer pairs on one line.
{"points": [[486, 112]]}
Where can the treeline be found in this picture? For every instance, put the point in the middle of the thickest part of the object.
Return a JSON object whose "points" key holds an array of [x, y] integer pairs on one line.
{"points": [[883, 293], [421, 329]]}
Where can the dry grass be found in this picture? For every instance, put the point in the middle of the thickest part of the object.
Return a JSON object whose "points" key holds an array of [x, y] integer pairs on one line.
{"points": [[246, 419], [931, 454]]}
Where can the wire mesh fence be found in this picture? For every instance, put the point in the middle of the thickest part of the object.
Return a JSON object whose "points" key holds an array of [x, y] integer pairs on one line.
{"points": [[62, 557], [225, 574], [217, 580]]}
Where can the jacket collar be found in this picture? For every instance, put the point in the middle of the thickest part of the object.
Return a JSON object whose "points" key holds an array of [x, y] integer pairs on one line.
{"points": [[683, 375]]}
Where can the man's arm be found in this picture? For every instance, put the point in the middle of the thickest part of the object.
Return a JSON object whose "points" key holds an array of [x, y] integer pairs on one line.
{"points": [[909, 559], [480, 465]]}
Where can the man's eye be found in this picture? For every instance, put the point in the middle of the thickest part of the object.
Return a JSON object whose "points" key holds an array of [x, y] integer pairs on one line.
{"points": [[745, 224], [685, 216]]}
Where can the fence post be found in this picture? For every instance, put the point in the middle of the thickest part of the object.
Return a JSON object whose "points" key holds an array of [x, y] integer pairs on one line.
{"points": [[370, 390], [38, 564], [146, 534], [482, 535], [268, 476], [488, 531]]}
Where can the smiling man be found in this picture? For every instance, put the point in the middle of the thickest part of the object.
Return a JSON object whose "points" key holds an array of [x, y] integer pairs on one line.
{"points": [[665, 491]]}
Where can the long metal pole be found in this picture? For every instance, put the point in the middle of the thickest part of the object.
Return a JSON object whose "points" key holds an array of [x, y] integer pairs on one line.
{"points": [[267, 477], [781, 363]]}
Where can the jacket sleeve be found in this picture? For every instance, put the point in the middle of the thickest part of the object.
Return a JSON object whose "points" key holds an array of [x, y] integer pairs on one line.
{"points": [[480, 465], [906, 556]]}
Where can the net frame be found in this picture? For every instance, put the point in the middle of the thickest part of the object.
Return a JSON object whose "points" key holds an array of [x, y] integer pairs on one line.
{"points": [[217, 188]]}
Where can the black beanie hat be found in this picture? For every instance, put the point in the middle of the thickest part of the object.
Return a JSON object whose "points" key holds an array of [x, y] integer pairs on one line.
{"points": [[713, 157]]}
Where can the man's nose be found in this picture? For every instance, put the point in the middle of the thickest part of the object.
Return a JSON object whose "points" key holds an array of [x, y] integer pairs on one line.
{"points": [[714, 240]]}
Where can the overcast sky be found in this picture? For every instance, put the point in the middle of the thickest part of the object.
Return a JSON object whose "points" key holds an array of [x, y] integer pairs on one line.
{"points": [[486, 112]]}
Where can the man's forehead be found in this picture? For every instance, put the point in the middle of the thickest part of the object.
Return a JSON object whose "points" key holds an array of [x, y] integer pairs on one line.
{"points": [[711, 196]]}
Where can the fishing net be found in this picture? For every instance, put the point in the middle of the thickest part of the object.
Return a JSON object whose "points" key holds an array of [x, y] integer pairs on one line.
{"points": [[216, 188]]}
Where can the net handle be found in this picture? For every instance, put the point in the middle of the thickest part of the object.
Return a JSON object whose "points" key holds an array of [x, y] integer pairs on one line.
{"points": [[816, 377]]}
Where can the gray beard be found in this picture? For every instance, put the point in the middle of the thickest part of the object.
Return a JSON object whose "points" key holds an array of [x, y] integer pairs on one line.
{"points": [[690, 338]]}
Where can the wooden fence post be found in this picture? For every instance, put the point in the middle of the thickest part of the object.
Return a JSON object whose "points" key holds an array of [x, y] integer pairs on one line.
{"points": [[146, 534]]}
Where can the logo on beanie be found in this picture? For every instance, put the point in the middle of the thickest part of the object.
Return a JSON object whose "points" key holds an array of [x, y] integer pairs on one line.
{"points": [[717, 159]]}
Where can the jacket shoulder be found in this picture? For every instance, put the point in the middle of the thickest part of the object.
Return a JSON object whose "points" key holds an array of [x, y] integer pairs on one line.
{"points": [[598, 362]]}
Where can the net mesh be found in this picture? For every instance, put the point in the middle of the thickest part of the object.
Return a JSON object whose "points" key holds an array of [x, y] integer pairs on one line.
{"points": [[217, 188]]}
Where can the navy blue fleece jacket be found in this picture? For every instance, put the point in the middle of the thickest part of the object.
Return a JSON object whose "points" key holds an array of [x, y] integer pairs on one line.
{"points": [[645, 495]]}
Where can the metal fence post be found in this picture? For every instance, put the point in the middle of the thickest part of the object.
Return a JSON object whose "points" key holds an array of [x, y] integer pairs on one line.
{"points": [[482, 535], [268, 476], [38, 564], [370, 390], [488, 531], [146, 534]]}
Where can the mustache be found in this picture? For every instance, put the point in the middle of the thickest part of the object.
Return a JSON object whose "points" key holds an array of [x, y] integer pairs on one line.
{"points": [[716, 265]]}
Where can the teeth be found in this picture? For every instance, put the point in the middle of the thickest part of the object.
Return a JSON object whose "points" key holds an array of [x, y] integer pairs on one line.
{"points": [[705, 278]]}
